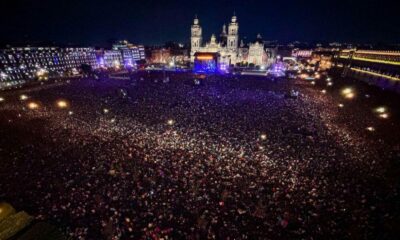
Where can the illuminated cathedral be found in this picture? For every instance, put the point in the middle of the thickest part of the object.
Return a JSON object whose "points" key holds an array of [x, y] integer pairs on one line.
{"points": [[228, 49]]}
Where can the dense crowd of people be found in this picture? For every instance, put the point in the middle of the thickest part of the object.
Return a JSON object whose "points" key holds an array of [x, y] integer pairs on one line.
{"points": [[229, 158]]}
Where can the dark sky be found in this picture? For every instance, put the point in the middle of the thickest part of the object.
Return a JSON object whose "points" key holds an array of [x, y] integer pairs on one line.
{"points": [[95, 22]]}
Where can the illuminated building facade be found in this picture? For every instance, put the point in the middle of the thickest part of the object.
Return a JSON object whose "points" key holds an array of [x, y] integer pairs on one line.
{"points": [[301, 53], [243, 52], [372, 56], [257, 54], [378, 67], [323, 58], [227, 48], [113, 59], [19, 65], [171, 54], [130, 53], [161, 55]]}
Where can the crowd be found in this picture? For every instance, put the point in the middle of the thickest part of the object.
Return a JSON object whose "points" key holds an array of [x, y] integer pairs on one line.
{"points": [[230, 158]]}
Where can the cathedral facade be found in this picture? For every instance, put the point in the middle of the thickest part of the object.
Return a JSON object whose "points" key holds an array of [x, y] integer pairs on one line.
{"points": [[227, 47]]}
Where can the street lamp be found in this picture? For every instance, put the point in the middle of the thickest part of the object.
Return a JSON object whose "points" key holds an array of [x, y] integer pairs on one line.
{"points": [[384, 115], [23, 97], [33, 105], [263, 136], [170, 122], [371, 129], [348, 93], [380, 110], [62, 104]]}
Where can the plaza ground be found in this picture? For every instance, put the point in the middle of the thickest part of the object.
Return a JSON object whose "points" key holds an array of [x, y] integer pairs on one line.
{"points": [[231, 157]]}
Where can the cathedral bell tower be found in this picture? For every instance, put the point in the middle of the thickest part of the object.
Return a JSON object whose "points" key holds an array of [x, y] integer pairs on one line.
{"points": [[223, 35], [233, 34], [195, 38]]}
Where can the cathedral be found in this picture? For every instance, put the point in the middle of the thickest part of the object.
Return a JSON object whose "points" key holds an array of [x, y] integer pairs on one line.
{"points": [[230, 53]]}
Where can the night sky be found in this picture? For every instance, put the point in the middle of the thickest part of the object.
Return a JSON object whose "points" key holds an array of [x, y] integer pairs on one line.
{"points": [[96, 22]]}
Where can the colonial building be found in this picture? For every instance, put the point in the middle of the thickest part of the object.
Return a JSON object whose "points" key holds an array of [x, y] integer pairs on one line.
{"points": [[257, 54], [161, 55], [227, 47]]}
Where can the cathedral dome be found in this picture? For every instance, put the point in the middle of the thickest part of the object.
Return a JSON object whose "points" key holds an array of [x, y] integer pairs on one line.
{"points": [[213, 38], [259, 39]]}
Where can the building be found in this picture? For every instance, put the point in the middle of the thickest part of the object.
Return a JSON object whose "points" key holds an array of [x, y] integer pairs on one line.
{"points": [[172, 53], [257, 54], [302, 53], [20, 65], [112, 59], [161, 55], [377, 67], [24, 64], [243, 52], [130, 53], [323, 58], [372, 56], [271, 56], [227, 48]]}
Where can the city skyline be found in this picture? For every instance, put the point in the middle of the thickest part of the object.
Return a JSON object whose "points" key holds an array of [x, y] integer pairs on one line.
{"points": [[154, 22]]}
